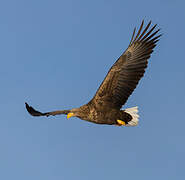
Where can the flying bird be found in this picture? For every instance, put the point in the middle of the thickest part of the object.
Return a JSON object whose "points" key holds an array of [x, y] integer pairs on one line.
{"points": [[118, 85]]}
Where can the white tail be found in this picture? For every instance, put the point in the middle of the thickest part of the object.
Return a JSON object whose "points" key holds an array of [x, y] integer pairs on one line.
{"points": [[135, 117]]}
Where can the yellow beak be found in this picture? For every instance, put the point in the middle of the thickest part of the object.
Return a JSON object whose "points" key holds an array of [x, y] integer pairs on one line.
{"points": [[70, 115]]}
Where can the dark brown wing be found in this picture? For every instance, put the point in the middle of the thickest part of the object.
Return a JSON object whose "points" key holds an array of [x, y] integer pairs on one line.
{"points": [[34, 112], [126, 72]]}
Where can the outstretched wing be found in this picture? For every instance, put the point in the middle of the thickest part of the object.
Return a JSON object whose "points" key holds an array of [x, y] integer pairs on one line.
{"points": [[34, 112], [126, 72]]}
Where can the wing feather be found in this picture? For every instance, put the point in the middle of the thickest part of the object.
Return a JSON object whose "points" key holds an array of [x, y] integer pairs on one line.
{"points": [[132, 36], [126, 72], [138, 33], [34, 112]]}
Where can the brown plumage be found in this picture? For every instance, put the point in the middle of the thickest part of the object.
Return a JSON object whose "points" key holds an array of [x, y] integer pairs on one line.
{"points": [[118, 85]]}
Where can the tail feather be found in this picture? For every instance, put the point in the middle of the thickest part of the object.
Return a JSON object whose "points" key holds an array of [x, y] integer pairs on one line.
{"points": [[135, 117]]}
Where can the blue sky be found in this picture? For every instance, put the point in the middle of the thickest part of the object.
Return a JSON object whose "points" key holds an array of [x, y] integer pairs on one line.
{"points": [[54, 54]]}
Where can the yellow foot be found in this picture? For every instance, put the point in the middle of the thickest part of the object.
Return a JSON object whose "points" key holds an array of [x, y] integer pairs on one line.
{"points": [[121, 123]]}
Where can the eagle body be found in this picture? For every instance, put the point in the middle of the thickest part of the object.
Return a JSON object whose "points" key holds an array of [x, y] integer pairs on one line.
{"points": [[118, 85], [101, 115]]}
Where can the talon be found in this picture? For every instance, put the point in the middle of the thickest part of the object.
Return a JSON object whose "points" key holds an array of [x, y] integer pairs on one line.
{"points": [[121, 123]]}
